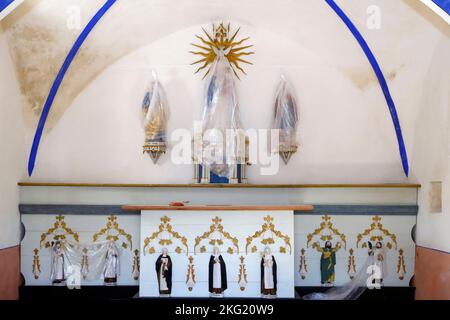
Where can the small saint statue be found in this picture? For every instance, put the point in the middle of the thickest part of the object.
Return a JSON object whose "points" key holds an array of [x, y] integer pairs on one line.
{"points": [[379, 270], [327, 263], [111, 268], [268, 274], [217, 277], [164, 273], [58, 273]]}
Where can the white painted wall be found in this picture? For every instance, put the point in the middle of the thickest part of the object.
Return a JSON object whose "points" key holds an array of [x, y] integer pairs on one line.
{"points": [[432, 150], [12, 149]]}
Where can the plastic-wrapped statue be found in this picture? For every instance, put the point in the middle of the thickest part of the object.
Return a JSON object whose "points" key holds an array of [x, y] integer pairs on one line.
{"points": [[155, 114], [378, 257], [111, 268], [58, 274], [217, 276], [268, 274], [285, 120], [164, 273], [220, 153], [221, 117]]}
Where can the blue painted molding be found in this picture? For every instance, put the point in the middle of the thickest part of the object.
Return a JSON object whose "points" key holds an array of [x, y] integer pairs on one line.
{"points": [[352, 210], [362, 210], [382, 81], [4, 4], [74, 209], [59, 78]]}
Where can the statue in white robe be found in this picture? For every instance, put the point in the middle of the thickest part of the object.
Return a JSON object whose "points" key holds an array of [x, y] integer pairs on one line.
{"points": [[58, 273], [164, 273], [268, 274], [111, 268], [217, 274], [379, 269]]}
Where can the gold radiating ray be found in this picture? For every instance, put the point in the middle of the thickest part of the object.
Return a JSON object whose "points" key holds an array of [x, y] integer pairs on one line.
{"points": [[242, 48], [235, 34], [220, 41], [202, 67], [239, 42], [201, 60], [201, 47]]}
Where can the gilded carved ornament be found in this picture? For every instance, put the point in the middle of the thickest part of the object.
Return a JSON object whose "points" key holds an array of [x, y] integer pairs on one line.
{"points": [[190, 276], [36, 268], [351, 267], [376, 232], [216, 236], [165, 236], [222, 41], [326, 232], [267, 236], [242, 274], [59, 231], [112, 231]]}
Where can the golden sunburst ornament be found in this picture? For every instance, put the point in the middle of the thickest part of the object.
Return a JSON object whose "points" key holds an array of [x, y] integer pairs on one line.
{"points": [[221, 43]]}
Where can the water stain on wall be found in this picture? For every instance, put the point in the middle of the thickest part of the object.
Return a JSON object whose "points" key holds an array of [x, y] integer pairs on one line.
{"points": [[39, 46], [363, 78]]}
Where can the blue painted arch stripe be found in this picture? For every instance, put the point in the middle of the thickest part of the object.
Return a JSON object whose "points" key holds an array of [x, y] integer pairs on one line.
{"points": [[59, 78], [4, 4], [444, 4], [381, 79]]}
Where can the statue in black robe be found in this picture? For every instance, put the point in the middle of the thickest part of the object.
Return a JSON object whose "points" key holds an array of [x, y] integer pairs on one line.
{"points": [[268, 274], [164, 273], [217, 275]]}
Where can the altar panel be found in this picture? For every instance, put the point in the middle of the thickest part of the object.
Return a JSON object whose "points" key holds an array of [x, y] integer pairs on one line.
{"points": [[43, 229], [241, 236], [354, 232]]}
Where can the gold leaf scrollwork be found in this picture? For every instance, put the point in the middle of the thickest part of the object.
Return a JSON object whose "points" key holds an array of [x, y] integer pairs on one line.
{"points": [[215, 229], [376, 232], [326, 226], [165, 228], [242, 274], [84, 263], [136, 265], [190, 277], [268, 227], [36, 268], [303, 267], [59, 231], [112, 231], [351, 268], [401, 267]]}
